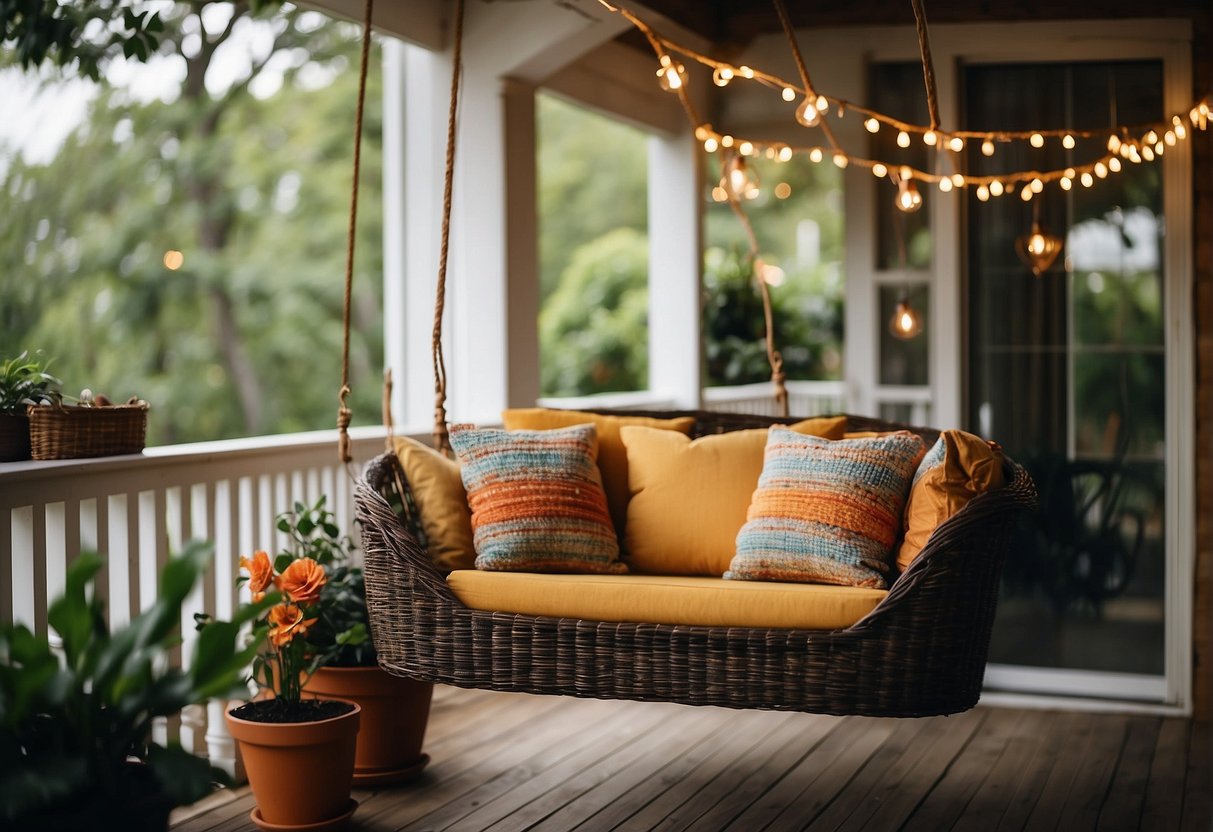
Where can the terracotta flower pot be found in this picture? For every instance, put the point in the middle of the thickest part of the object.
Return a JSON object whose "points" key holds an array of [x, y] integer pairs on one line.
{"points": [[300, 772], [395, 711]]}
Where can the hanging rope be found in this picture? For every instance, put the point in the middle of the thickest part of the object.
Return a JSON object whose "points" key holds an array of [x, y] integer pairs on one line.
{"points": [[442, 439], [803, 70], [928, 67], [343, 410], [774, 357]]}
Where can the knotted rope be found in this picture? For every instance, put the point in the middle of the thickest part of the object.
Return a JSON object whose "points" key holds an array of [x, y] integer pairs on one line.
{"points": [[928, 67], [343, 410]]}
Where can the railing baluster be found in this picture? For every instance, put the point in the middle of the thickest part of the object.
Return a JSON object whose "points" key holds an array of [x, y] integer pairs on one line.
{"points": [[6, 565], [121, 557]]}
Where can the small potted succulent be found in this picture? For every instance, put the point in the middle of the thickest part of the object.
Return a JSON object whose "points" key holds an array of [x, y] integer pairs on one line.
{"points": [[395, 710], [23, 381], [75, 721]]}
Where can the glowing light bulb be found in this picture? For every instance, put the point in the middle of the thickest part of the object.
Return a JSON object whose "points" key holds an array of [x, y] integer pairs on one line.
{"points": [[872, 125], [721, 76], [719, 194], [1159, 148], [841, 160], [768, 273], [879, 171], [726, 141], [1151, 137], [1147, 153], [1070, 173], [930, 138], [788, 94], [1181, 132], [908, 198], [672, 76], [783, 190], [785, 154], [945, 184], [710, 144], [1134, 156], [983, 193], [1114, 165], [996, 188], [746, 148], [1101, 170], [1036, 185], [1036, 140], [1038, 249], [1066, 183], [1087, 179], [1169, 138], [745, 72], [815, 155], [738, 181], [1026, 194], [957, 144], [1114, 143], [987, 148], [906, 322], [173, 260], [903, 139], [958, 180], [823, 103], [1036, 244], [1067, 141], [807, 113]]}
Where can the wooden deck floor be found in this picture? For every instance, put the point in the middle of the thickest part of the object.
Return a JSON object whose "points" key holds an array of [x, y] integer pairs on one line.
{"points": [[516, 762]]}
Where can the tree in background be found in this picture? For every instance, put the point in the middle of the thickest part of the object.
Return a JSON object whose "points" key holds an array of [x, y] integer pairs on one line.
{"points": [[242, 336]]}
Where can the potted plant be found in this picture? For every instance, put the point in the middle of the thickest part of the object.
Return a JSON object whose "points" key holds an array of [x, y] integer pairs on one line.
{"points": [[395, 709], [23, 381], [75, 729], [298, 752]]}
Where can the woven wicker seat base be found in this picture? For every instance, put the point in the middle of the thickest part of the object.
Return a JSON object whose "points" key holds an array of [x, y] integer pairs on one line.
{"points": [[920, 652]]}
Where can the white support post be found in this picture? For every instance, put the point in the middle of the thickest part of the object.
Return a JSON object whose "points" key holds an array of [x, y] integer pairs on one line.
{"points": [[521, 208], [675, 266], [394, 223]]}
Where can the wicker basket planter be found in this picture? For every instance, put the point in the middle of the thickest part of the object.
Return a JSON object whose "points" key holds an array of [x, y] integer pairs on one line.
{"points": [[14, 437], [73, 432]]}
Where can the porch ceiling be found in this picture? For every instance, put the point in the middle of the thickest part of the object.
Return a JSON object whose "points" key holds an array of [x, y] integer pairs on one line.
{"points": [[736, 22]]}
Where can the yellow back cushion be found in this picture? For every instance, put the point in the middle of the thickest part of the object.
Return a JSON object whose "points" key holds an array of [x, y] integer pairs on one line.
{"points": [[689, 498], [612, 457], [956, 469], [442, 502]]}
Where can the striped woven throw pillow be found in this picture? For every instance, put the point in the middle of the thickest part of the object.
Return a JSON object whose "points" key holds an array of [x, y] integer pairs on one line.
{"points": [[826, 512], [536, 499]]}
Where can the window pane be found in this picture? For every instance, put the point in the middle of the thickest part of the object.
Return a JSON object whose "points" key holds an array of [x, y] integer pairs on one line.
{"points": [[897, 90], [1067, 370]]}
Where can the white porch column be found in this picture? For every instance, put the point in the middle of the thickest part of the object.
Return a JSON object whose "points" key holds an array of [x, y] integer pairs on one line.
{"points": [[675, 266]]}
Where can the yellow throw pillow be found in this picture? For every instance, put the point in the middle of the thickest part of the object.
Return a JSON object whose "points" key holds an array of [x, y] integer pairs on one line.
{"points": [[437, 488], [689, 498], [612, 457], [956, 469]]}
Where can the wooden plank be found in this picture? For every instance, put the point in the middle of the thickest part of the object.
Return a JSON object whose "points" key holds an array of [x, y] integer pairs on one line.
{"points": [[451, 779], [828, 770], [1072, 753], [670, 741], [1037, 772], [869, 775], [1199, 782], [502, 795], [799, 738], [1165, 788], [913, 776], [1122, 809], [755, 727], [978, 771], [1095, 770]]}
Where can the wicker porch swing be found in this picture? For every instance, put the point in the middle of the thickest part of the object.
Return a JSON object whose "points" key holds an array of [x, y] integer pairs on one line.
{"points": [[920, 652]]}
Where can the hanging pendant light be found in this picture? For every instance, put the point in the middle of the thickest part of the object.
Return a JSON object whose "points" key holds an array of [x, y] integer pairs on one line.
{"points": [[808, 113], [908, 198], [738, 181], [1038, 249], [906, 321]]}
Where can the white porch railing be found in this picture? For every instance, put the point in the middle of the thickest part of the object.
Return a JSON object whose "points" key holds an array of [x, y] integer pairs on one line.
{"points": [[137, 509], [805, 398]]}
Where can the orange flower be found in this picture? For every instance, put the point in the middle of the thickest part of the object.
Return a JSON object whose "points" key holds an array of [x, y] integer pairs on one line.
{"points": [[261, 573], [302, 581], [286, 622]]}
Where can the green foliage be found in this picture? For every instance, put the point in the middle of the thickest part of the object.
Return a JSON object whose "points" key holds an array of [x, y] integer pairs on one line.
{"points": [[24, 380], [340, 636], [67, 728], [245, 337], [79, 36], [593, 330]]}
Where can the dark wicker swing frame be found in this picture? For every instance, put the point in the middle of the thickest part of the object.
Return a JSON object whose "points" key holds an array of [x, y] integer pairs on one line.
{"points": [[920, 652]]}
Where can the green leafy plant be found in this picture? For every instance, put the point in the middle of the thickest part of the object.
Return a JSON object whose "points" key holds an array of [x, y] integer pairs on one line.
{"points": [[70, 727], [24, 380]]}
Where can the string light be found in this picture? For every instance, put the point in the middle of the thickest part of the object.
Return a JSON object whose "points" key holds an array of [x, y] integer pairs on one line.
{"points": [[788, 94], [672, 76], [872, 125], [906, 322], [879, 171], [815, 155], [987, 147], [957, 144], [903, 139], [841, 160], [945, 184], [785, 154], [738, 181], [930, 138], [983, 193], [1036, 140], [1067, 141], [908, 199], [783, 190], [1101, 170], [721, 76], [807, 113], [710, 144], [996, 188]]}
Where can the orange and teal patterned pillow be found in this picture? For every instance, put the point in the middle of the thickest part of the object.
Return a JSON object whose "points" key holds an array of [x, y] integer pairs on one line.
{"points": [[536, 499], [826, 512]]}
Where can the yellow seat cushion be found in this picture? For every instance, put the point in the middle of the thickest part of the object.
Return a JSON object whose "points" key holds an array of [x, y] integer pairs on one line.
{"points": [[612, 458], [958, 467], [441, 500], [689, 498], [666, 599]]}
